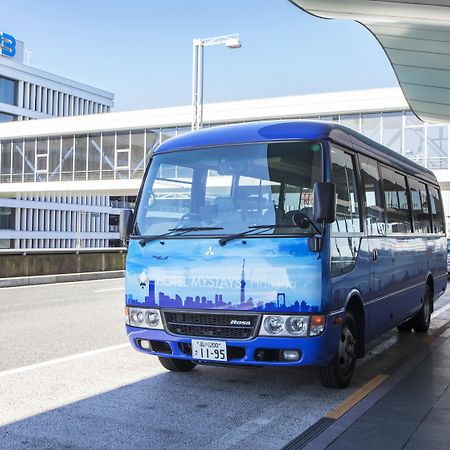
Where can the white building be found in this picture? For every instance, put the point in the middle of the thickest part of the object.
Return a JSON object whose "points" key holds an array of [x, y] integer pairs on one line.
{"points": [[30, 93], [58, 176]]}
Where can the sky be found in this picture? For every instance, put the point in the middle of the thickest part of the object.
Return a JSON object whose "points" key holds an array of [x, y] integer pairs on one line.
{"points": [[141, 50]]}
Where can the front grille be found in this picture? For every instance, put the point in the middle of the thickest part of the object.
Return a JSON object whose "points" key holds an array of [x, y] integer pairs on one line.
{"points": [[211, 325]]}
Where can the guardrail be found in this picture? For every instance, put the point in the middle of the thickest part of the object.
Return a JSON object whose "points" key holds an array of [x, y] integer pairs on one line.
{"points": [[55, 261]]}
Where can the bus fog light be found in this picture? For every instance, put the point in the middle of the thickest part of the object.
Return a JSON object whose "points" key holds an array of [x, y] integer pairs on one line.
{"points": [[144, 344], [297, 325], [274, 324], [317, 325], [290, 355]]}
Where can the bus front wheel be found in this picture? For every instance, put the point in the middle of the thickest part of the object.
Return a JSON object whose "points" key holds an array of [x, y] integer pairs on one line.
{"points": [[339, 372], [421, 322], [176, 365]]}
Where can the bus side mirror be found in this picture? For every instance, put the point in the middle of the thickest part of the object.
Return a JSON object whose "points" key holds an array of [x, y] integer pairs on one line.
{"points": [[324, 202], [126, 220]]}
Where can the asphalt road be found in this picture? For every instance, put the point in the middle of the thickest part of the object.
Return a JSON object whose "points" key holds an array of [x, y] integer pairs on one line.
{"points": [[70, 380]]}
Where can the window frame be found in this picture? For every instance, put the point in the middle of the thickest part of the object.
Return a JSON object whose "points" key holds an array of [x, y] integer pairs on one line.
{"points": [[363, 195], [430, 216], [358, 182], [408, 196]]}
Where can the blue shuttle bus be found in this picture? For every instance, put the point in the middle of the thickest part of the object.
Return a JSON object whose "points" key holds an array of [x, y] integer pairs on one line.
{"points": [[284, 243]]}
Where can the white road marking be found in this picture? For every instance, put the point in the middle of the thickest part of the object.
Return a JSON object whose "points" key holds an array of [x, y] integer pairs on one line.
{"points": [[45, 285], [109, 290], [53, 362], [439, 311]]}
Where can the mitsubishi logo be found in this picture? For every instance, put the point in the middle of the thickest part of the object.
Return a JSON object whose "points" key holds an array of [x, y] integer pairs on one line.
{"points": [[210, 252]]}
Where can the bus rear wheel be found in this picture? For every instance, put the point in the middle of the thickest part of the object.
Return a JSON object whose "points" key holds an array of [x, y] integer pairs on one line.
{"points": [[176, 365], [421, 322], [339, 372]]}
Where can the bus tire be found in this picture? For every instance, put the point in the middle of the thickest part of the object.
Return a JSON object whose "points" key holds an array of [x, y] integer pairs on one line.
{"points": [[176, 365], [421, 321], [339, 372]]}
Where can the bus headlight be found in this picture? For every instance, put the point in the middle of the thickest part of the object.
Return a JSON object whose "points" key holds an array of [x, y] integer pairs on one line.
{"points": [[298, 326], [143, 318], [274, 325]]}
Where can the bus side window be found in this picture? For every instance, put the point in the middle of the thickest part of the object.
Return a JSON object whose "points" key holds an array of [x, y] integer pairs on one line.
{"points": [[347, 208], [420, 209], [436, 210], [397, 202], [375, 213]]}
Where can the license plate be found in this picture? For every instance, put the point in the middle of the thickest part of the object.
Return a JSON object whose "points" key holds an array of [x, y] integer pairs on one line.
{"points": [[209, 350]]}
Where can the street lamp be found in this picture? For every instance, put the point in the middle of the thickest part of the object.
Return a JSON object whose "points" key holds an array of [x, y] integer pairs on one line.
{"points": [[230, 41]]}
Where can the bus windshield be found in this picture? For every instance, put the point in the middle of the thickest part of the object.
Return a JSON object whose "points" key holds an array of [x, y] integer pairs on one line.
{"points": [[230, 188]]}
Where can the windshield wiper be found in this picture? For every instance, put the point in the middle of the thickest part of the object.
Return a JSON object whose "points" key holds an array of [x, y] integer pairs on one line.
{"points": [[175, 232], [252, 228]]}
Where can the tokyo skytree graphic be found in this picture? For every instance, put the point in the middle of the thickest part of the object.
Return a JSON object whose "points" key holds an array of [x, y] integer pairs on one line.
{"points": [[243, 283]]}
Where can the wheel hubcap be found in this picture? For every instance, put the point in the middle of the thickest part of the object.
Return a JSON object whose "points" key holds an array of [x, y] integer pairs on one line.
{"points": [[346, 351], [426, 308]]}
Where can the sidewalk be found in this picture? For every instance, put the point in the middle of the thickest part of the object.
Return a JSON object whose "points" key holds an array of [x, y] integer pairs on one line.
{"points": [[410, 410]]}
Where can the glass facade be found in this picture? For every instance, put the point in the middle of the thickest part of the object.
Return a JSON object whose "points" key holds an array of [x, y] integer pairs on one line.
{"points": [[427, 144], [124, 154]]}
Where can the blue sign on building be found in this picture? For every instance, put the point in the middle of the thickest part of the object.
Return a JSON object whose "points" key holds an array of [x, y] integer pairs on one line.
{"points": [[7, 45]]}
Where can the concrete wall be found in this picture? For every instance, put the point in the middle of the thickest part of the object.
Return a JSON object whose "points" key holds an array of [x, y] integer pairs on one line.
{"points": [[36, 263]]}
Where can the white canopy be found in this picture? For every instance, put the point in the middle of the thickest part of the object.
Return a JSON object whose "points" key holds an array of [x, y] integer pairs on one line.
{"points": [[416, 38]]}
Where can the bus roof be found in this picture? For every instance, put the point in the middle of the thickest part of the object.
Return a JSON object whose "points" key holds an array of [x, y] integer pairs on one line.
{"points": [[291, 130]]}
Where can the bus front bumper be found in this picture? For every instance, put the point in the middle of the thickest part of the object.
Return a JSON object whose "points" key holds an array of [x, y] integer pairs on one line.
{"points": [[259, 351]]}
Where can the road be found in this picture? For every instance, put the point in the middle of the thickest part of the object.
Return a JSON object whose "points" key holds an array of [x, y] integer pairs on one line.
{"points": [[69, 379]]}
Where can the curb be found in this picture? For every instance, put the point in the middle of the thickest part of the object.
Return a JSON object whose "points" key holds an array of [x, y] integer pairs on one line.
{"points": [[60, 278]]}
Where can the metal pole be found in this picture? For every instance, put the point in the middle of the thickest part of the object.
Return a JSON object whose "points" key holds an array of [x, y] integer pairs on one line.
{"points": [[231, 41], [194, 82], [200, 87]]}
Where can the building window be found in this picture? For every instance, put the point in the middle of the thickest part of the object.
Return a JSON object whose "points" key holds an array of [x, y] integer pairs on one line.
{"points": [[41, 159], [54, 158], [18, 152], [108, 156], [5, 157], [6, 243], [415, 144], [122, 156], [7, 218], [80, 157], [392, 130], [371, 126], [7, 117], [351, 121], [94, 156], [29, 160], [67, 158], [437, 145], [137, 158], [8, 91]]}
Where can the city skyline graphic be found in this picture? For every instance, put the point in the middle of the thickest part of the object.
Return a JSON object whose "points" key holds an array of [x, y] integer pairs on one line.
{"points": [[237, 300]]}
